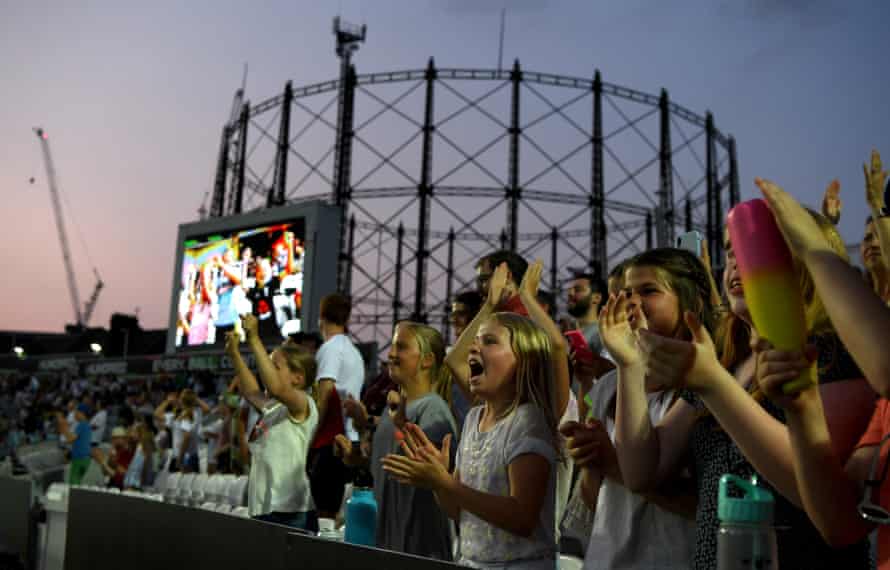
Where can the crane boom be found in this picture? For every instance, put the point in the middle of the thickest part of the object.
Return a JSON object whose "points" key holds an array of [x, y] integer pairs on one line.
{"points": [[60, 225]]}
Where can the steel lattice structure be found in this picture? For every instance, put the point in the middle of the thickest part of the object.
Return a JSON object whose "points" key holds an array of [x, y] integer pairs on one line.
{"points": [[435, 167]]}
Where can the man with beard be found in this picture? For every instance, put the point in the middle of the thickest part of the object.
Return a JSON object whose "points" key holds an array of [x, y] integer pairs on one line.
{"points": [[585, 293]]}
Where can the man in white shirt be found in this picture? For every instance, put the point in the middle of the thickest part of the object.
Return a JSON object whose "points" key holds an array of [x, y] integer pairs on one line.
{"points": [[98, 422], [341, 374]]}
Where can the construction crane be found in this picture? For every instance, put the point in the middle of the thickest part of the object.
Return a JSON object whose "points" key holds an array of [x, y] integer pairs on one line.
{"points": [[81, 318]]}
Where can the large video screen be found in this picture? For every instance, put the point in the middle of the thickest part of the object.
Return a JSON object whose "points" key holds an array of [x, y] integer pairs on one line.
{"points": [[255, 264]]}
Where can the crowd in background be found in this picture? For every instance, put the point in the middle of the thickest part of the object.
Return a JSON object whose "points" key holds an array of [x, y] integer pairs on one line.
{"points": [[610, 426]]}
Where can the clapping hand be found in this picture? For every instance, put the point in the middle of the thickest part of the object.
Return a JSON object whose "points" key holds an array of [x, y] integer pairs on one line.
{"points": [[616, 332], [831, 202], [674, 363], [875, 177], [423, 465], [799, 228]]}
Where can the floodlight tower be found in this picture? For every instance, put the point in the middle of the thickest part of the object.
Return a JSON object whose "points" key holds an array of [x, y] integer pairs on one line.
{"points": [[349, 37]]}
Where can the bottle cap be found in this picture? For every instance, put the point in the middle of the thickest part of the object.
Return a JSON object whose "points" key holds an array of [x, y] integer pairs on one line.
{"points": [[755, 506]]}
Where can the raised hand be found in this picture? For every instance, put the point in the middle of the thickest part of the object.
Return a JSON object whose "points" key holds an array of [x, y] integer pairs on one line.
{"points": [[531, 280], [797, 226], [343, 450], [588, 444], [875, 178], [233, 342], [497, 285], [250, 325], [673, 363], [354, 409], [616, 332], [831, 202]]}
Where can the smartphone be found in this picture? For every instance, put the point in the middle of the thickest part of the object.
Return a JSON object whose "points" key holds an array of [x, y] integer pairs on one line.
{"points": [[579, 345], [691, 242]]}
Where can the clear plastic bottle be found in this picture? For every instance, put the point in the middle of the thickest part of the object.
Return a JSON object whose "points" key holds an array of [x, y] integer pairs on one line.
{"points": [[746, 539], [327, 528]]}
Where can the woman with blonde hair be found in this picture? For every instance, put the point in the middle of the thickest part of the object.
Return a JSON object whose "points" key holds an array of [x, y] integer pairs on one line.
{"points": [[409, 519], [502, 489], [723, 422]]}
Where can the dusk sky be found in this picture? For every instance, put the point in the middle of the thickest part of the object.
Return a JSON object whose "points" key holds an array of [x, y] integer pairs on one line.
{"points": [[133, 96]]}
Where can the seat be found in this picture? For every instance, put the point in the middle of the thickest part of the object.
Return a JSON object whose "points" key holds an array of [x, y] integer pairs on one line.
{"points": [[237, 492], [171, 487]]}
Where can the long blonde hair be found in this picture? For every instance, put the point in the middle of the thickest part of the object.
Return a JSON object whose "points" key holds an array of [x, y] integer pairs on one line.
{"points": [[534, 376]]}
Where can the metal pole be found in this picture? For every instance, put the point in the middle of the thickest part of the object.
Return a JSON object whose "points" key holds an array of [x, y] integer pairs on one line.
{"points": [[217, 204], [278, 196], [710, 161], [238, 195], [343, 159], [503, 239], [734, 194], [350, 255], [649, 224], [449, 285], [397, 292], [688, 214], [666, 192], [424, 192], [514, 193], [598, 257], [554, 263]]}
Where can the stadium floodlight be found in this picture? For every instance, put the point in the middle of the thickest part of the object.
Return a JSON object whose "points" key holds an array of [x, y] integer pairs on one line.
{"points": [[19, 351], [96, 347]]}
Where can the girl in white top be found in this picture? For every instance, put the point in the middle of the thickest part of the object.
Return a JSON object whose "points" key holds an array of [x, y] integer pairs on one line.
{"points": [[503, 485], [278, 487]]}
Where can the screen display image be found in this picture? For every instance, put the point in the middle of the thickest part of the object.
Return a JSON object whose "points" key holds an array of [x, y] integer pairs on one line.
{"points": [[224, 275]]}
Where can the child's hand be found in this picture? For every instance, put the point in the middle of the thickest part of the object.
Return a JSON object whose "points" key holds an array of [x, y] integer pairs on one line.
{"points": [[497, 285], [875, 176], [589, 444], [616, 333], [531, 281], [251, 325], [673, 363], [423, 465], [775, 368], [233, 341]]}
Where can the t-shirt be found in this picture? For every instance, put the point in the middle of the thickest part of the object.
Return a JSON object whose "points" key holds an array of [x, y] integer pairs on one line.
{"points": [[98, 423], [629, 531], [408, 518], [564, 468], [80, 447], [263, 306], [483, 459], [339, 360], [182, 426], [714, 454], [878, 427], [592, 334], [279, 444]]}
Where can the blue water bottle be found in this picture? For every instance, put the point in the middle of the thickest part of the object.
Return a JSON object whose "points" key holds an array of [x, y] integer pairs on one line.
{"points": [[361, 517]]}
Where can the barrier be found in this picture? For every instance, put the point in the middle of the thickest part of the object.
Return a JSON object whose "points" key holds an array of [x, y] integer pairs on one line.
{"points": [[15, 515], [113, 531]]}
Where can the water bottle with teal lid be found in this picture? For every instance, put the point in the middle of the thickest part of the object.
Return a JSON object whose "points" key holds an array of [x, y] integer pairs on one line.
{"points": [[361, 517], [746, 539]]}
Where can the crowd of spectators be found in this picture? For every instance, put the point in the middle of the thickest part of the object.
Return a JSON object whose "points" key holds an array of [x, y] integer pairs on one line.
{"points": [[502, 449]]}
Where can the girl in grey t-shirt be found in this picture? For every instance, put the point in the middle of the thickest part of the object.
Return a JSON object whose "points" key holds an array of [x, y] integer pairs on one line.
{"points": [[502, 488]]}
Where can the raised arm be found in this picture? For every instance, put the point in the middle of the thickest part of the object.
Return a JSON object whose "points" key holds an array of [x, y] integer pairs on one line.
{"points": [[859, 317], [647, 455], [244, 378], [528, 291], [829, 491], [456, 359], [294, 399]]}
